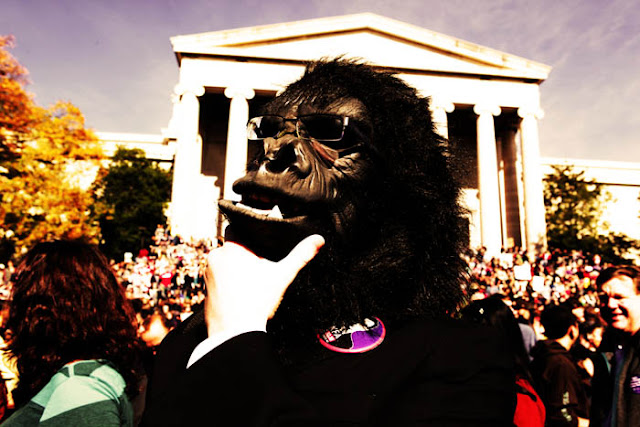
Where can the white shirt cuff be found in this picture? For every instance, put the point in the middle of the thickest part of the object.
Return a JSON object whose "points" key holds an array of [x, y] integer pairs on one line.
{"points": [[212, 342]]}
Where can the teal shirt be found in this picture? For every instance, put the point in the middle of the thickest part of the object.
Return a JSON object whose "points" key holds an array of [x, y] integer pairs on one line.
{"points": [[85, 393]]}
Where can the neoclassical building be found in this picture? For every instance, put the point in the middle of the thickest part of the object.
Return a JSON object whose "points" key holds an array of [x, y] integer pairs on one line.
{"points": [[485, 101]]}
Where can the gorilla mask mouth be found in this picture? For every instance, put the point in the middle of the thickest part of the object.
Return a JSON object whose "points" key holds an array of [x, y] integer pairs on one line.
{"points": [[273, 208], [261, 204], [269, 223]]}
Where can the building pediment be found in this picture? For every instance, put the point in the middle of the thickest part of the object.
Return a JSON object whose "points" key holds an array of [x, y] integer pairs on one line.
{"points": [[378, 40]]}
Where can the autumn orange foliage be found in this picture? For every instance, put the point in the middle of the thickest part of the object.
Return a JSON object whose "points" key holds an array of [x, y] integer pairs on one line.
{"points": [[46, 157], [17, 110]]}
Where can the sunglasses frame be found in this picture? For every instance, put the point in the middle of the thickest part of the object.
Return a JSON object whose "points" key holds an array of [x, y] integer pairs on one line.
{"points": [[299, 121]]}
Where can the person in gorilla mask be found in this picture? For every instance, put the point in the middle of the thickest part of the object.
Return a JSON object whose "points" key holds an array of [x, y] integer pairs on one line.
{"points": [[331, 301]]}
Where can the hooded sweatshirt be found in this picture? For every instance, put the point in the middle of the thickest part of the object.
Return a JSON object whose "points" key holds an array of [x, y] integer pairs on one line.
{"points": [[558, 381]]}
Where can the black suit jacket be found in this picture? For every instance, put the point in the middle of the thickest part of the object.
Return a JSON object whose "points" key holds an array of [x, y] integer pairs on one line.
{"points": [[435, 373]]}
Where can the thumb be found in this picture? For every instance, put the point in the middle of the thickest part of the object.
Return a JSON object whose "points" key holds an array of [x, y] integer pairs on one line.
{"points": [[303, 252]]}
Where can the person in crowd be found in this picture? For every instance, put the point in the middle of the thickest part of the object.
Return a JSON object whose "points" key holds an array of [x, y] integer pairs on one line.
{"points": [[620, 287], [74, 340], [576, 307], [492, 311], [522, 311], [155, 328], [7, 272], [593, 365], [555, 372], [8, 373]]}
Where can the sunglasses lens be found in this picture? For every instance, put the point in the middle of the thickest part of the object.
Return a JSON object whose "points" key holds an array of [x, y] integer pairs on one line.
{"points": [[264, 127], [322, 128]]}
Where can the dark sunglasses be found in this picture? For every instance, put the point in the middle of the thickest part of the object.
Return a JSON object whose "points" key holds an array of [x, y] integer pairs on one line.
{"points": [[321, 127]]}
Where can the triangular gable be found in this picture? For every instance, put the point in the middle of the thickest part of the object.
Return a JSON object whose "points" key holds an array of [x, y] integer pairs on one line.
{"points": [[381, 41]]}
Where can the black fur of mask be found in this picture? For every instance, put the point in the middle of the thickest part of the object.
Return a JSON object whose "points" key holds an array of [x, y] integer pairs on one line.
{"points": [[387, 205]]}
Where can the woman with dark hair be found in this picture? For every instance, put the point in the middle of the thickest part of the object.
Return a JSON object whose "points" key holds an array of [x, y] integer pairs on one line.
{"points": [[74, 339], [492, 311]]}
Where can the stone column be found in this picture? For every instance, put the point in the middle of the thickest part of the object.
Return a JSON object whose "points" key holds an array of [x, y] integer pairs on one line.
{"points": [[439, 109], [205, 212], [490, 218], [512, 185], [535, 223], [188, 158], [236, 158], [470, 200]]}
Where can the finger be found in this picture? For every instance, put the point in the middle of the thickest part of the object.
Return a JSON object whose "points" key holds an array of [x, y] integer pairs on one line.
{"points": [[239, 250], [304, 252], [216, 257], [228, 251]]}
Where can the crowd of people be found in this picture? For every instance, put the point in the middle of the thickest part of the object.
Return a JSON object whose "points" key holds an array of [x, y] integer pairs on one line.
{"points": [[552, 297], [168, 278], [575, 321], [165, 282]]}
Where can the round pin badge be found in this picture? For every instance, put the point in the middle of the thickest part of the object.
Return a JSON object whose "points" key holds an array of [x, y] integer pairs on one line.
{"points": [[358, 338]]}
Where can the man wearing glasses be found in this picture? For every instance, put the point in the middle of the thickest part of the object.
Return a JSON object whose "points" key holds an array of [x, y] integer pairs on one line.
{"points": [[620, 287]]}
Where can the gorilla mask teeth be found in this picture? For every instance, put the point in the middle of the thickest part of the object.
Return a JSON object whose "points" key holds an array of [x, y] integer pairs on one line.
{"points": [[270, 213], [275, 213]]}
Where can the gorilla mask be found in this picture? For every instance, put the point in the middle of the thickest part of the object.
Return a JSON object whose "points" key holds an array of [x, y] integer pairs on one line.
{"points": [[350, 153], [314, 156]]}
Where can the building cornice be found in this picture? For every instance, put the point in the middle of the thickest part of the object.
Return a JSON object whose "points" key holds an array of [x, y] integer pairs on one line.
{"points": [[234, 43]]}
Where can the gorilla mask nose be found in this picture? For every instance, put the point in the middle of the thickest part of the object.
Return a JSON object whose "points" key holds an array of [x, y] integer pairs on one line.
{"points": [[283, 154], [279, 159]]}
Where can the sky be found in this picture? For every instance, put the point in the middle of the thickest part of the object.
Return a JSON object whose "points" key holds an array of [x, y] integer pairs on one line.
{"points": [[113, 58]]}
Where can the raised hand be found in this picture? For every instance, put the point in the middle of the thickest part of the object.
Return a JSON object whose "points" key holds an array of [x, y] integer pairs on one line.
{"points": [[244, 290]]}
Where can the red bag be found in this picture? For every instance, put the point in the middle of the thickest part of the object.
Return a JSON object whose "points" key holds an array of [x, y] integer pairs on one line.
{"points": [[530, 411]]}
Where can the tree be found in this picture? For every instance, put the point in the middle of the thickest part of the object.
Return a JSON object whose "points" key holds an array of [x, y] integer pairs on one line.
{"points": [[574, 207], [44, 156], [18, 113], [131, 196]]}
